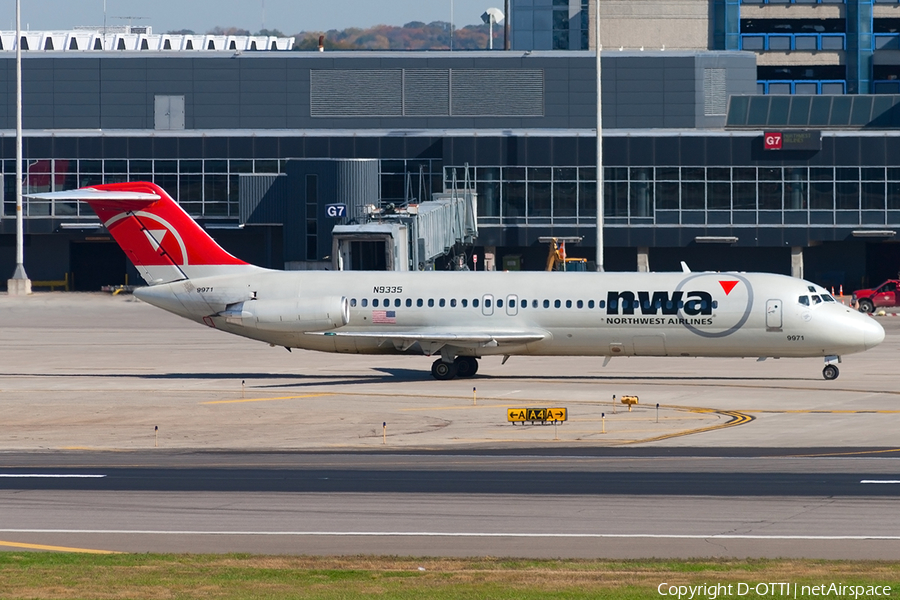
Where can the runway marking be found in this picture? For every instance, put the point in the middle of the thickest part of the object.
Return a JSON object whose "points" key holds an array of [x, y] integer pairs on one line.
{"points": [[49, 476], [476, 534], [265, 399], [55, 548], [853, 453], [894, 481]]}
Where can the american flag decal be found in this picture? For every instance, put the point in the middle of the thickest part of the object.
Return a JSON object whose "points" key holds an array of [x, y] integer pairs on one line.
{"points": [[384, 316]]}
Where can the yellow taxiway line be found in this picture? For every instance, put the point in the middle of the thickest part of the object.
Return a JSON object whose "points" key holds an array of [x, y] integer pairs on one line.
{"points": [[55, 548], [737, 418], [242, 400]]}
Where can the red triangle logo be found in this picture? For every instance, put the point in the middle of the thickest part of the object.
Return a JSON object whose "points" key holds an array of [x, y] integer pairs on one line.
{"points": [[728, 286]]}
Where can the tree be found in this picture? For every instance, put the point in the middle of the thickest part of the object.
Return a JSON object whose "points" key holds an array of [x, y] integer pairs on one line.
{"points": [[270, 32], [228, 31]]}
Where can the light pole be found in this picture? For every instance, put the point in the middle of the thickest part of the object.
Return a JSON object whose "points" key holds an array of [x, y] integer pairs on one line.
{"points": [[491, 16], [19, 284], [600, 203]]}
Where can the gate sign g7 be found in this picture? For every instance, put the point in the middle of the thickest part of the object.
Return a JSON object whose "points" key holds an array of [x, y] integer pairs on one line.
{"points": [[772, 140], [336, 210]]}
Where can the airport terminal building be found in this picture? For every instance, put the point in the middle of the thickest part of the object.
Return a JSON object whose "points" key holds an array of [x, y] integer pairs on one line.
{"points": [[689, 172]]}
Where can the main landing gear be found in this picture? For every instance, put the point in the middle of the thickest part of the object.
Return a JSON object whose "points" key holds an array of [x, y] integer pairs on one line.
{"points": [[831, 370], [462, 366]]}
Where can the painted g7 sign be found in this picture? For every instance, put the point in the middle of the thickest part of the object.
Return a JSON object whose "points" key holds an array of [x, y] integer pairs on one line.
{"points": [[336, 210], [772, 141]]}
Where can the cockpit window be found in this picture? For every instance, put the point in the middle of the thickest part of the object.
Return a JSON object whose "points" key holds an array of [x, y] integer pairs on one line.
{"points": [[816, 300], [811, 288], [804, 300], [827, 298]]}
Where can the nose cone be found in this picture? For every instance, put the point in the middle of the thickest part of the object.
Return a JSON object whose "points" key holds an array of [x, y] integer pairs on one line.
{"points": [[873, 333]]}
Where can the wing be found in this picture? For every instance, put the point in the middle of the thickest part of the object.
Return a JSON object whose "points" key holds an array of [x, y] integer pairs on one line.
{"points": [[432, 340]]}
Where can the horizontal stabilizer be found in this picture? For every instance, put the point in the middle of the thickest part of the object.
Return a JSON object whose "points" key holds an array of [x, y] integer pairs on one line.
{"points": [[87, 194]]}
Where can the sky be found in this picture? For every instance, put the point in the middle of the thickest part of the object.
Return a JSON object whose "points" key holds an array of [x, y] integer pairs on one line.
{"points": [[289, 16]]}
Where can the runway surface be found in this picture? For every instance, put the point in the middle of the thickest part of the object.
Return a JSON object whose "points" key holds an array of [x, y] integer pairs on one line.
{"points": [[123, 428], [767, 504]]}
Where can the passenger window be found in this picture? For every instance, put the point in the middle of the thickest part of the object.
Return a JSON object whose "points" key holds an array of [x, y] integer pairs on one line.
{"points": [[365, 302], [534, 304], [601, 304], [387, 302], [636, 304], [524, 303], [475, 303], [431, 303], [680, 304], [465, 302], [408, 302], [419, 302], [557, 303], [715, 304], [804, 300], [374, 302], [397, 302], [546, 302], [646, 304], [590, 304], [703, 305], [487, 302], [353, 302], [441, 303], [568, 304], [668, 305], [499, 302], [579, 304], [452, 302]]}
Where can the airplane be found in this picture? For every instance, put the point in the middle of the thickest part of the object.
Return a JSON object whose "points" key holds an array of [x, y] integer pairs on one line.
{"points": [[463, 316]]}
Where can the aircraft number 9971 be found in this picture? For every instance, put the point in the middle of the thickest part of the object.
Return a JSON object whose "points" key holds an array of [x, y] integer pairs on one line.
{"points": [[387, 289], [201, 290], [795, 338]]}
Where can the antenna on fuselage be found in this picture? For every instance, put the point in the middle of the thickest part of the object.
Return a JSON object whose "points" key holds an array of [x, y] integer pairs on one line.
{"points": [[684, 267]]}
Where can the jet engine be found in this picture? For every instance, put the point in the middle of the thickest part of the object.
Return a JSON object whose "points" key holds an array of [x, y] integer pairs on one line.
{"points": [[298, 315]]}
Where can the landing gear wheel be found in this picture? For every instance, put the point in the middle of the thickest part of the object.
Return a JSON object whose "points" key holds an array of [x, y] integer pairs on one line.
{"points": [[466, 366], [866, 306], [830, 372], [443, 371]]}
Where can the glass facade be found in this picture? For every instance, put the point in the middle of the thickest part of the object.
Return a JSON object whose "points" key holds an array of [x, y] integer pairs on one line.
{"points": [[690, 196], [206, 188], [560, 25], [651, 181]]}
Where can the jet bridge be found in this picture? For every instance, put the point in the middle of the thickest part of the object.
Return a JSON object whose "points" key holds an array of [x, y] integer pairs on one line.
{"points": [[411, 237]]}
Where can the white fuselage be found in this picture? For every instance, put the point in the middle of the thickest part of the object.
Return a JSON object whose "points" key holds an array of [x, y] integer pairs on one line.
{"points": [[535, 313]]}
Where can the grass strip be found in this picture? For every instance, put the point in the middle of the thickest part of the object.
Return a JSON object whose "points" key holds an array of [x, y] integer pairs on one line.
{"points": [[34, 575]]}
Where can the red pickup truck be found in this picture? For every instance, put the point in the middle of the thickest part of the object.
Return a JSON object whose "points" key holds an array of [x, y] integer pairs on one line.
{"points": [[881, 296]]}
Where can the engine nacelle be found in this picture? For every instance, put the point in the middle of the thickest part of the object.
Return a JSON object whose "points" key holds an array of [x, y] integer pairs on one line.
{"points": [[299, 315]]}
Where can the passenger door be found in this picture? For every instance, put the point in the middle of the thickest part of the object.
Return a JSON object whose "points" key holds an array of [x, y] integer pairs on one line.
{"points": [[773, 315]]}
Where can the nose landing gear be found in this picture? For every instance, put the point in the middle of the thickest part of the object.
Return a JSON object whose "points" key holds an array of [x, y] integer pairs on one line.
{"points": [[831, 370]]}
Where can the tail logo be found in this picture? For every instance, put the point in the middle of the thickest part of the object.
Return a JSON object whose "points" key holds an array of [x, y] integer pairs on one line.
{"points": [[157, 236]]}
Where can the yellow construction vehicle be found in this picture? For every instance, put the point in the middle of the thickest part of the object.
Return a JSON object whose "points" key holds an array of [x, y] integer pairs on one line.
{"points": [[556, 257]]}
